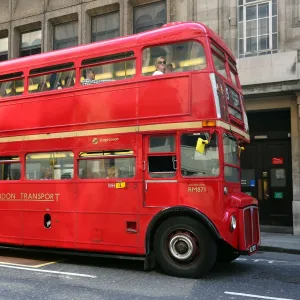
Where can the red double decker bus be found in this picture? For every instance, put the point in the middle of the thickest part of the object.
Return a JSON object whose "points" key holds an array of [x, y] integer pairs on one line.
{"points": [[129, 146]]}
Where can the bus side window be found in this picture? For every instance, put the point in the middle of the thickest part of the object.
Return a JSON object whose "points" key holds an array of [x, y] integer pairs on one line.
{"points": [[161, 157], [108, 68], [52, 81], [50, 165], [106, 164], [12, 88], [10, 168], [178, 57]]}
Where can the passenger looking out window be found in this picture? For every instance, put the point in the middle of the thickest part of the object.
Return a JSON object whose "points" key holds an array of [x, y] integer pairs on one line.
{"points": [[177, 57], [160, 65]]}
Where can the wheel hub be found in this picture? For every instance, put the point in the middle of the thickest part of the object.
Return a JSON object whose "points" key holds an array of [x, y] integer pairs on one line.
{"points": [[182, 246]]}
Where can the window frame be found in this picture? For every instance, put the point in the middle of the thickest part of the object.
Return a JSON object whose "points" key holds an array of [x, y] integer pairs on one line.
{"points": [[4, 53], [144, 5], [67, 40], [218, 135], [54, 179], [205, 50], [243, 23], [31, 48], [106, 61], [104, 15], [13, 161], [174, 153], [230, 165], [103, 157]]}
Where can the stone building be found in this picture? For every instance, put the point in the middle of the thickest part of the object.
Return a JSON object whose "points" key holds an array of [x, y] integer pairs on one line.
{"points": [[263, 34]]}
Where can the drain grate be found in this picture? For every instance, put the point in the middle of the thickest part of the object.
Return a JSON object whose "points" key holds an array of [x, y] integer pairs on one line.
{"points": [[289, 277]]}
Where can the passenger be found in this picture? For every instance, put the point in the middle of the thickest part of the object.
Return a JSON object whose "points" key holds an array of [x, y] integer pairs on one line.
{"points": [[42, 87], [160, 66], [47, 173], [89, 77], [169, 68], [54, 82]]}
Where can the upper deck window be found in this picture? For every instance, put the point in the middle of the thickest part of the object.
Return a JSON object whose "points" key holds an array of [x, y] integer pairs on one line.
{"points": [[179, 57], [108, 68], [219, 60], [12, 87], [52, 81]]}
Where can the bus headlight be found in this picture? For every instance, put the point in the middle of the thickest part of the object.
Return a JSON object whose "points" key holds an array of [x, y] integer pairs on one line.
{"points": [[233, 223], [225, 190]]}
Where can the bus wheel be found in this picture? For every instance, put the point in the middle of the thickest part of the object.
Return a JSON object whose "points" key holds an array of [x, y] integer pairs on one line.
{"points": [[184, 248]]}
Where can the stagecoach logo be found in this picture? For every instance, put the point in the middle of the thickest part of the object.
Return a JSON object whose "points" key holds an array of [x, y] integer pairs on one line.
{"points": [[42, 197], [95, 141], [197, 188]]}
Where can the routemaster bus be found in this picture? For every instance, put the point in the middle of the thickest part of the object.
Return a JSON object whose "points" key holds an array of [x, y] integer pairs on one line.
{"points": [[129, 146]]}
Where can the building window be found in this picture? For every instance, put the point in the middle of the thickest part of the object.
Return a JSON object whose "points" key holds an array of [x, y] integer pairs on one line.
{"points": [[105, 26], [65, 35], [3, 48], [31, 43], [257, 28], [149, 16]]}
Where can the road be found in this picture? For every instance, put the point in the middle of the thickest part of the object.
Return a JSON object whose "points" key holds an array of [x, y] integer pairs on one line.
{"points": [[262, 276]]}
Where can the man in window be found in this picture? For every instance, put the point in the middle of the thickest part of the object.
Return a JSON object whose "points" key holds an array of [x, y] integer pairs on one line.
{"points": [[89, 77], [160, 65]]}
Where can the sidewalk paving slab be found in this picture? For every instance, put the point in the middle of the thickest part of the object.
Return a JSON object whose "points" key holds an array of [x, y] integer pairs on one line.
{"points": [[279, 242]]}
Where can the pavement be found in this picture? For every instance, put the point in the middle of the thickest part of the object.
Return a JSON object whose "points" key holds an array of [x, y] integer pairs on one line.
{"points": [[279, 242]]}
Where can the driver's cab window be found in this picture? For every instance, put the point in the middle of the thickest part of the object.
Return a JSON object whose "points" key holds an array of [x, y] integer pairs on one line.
{"points": [[179, 57]]}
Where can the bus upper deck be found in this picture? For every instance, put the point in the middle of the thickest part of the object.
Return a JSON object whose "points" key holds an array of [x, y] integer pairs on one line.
{"points": [[203, 84]]}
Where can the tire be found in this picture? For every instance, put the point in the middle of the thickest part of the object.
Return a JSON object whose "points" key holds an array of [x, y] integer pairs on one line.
{"points": [[184, 248]]}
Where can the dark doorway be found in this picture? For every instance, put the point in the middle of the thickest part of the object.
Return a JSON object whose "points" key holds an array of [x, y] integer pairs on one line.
{"points": [[266, 166]]}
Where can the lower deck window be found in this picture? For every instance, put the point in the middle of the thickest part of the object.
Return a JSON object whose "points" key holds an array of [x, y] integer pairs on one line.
{"points": [[10, 168], [111, 167], [50, 166]]}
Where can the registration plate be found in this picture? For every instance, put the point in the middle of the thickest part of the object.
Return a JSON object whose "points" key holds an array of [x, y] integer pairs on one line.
{"points": [[252, 248]]}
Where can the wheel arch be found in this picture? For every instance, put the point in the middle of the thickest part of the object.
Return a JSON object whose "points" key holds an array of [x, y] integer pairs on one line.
{"points": [[176, 211]]}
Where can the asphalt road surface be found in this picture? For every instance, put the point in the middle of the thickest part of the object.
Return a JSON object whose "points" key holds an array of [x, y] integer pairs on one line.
{"points": [[265, 275]]}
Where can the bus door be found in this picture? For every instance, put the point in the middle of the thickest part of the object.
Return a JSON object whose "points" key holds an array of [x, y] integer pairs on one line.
{"points": [[107, 194], [160, 165]]}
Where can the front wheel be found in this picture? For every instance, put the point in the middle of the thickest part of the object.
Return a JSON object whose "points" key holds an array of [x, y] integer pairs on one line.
{"points": [[184, 248]]}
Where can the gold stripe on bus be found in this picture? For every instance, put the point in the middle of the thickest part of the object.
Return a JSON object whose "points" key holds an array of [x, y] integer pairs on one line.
{"points": [[233, 128], [168, 126], [118, 130]]}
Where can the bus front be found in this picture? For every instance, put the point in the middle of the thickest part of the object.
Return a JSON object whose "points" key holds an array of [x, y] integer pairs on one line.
{"points": [[240, 227]]}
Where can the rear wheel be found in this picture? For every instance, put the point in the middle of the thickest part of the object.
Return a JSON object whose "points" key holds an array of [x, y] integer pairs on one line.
{"points": [[184, 248]]}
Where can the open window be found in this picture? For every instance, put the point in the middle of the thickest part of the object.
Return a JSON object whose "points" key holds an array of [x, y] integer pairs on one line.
{"points": [[162, 157]]}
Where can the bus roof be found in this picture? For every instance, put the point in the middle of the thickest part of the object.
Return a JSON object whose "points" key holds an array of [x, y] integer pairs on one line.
{"points": [[181, 30]]}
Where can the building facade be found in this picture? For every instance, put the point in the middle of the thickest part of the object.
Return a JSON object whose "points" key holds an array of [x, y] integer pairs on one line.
{"points": [[263, 34]]}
